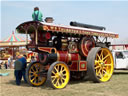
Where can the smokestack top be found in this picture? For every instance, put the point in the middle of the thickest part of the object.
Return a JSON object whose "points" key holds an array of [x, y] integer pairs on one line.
{"points": [[49, 19], [77, 24]]}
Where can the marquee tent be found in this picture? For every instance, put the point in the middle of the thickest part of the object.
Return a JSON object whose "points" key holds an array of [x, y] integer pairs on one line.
{"points": [[13, 40], [11, 44]]}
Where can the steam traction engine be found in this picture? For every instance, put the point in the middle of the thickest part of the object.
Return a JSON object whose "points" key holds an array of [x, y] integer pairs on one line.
{"points": [[66, 52]]}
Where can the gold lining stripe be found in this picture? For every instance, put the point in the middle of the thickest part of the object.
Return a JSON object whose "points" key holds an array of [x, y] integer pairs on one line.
{"points": [[58, 56]]}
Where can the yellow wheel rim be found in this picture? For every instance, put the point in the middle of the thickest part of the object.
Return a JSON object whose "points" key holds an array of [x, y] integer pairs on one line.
{"points": [[60, 75], [34, 78], [104, 65]]}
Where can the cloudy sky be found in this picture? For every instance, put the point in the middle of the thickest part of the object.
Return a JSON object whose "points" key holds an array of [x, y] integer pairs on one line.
{"points": [[111, 14]]}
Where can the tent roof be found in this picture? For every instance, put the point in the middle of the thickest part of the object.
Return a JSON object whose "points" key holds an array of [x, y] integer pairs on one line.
{"points": [[14, 38]]}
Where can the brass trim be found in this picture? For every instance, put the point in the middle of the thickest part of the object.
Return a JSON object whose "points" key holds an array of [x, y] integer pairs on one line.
{"points": [[36, 37], [69, 57], [58, 56], [47, 48]]}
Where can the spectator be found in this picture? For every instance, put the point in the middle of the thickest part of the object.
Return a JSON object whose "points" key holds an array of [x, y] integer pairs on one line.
{"points": [[24, 65], [6, 65], [0, 65], [9, 62], [37, 15], [18, 71], [33, 59]]}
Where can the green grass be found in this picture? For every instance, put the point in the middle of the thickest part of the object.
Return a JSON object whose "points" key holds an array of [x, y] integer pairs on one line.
{"points": [[117, 86]]}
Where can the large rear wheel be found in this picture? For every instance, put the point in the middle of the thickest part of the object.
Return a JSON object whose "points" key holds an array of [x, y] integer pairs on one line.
{"points": [[100, 64], [33, 75], [58, 75]]}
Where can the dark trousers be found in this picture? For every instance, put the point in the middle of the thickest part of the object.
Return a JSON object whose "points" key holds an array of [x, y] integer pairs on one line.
{"points": [[18, 75], [23, 74], [5, 65]]}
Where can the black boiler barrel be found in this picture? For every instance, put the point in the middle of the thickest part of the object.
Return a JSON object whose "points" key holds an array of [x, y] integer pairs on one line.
{"points": [[77, 24]]}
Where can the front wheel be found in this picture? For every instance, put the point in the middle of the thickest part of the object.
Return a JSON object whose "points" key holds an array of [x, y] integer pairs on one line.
{"points": [[33, 75], [100, 64], [58, 75]]}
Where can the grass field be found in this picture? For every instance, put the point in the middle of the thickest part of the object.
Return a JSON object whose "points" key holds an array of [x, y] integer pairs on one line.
{"points": [[117, 86]]}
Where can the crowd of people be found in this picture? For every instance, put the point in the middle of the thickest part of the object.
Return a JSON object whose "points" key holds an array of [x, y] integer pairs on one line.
{"points": [[19, 65], [7, 64]]}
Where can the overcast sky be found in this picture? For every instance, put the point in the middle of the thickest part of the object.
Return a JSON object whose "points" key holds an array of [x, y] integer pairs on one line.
{"points": [[111, 14]]}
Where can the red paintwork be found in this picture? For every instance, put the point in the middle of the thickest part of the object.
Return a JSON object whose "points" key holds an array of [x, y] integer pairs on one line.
{"points": [[48, 35], [74, 66], [75, 57], [66, 57], [30, 54], [86, 46]]}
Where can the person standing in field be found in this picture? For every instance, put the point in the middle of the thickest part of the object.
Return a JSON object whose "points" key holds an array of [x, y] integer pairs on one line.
{"points": [[6, 65], [24, 65], [9, 62], [0, 64], [18, 71], [37, 15]]}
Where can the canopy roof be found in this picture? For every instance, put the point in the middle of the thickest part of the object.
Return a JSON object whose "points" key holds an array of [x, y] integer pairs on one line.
{"points": [[13, 40], [31, 26]]}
